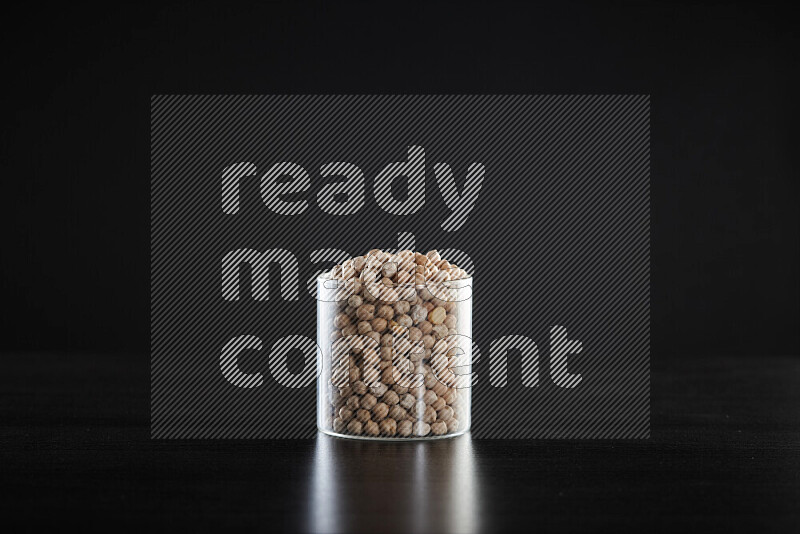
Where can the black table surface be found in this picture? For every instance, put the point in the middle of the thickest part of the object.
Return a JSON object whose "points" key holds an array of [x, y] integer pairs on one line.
{"points": [[724, 455]]}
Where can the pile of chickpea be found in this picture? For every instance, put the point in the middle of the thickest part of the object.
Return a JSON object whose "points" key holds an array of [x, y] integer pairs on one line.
{"points": [[395, 347]]}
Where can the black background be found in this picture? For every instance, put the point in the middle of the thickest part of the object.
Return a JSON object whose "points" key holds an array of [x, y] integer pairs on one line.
{"points": [[76, 155], [74, 438]]}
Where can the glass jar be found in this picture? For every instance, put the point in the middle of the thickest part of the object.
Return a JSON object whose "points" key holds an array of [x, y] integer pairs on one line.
{"points": [[395, 363]]}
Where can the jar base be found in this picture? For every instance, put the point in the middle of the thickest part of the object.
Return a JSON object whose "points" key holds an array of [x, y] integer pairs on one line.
{"points": [[380, 438]]}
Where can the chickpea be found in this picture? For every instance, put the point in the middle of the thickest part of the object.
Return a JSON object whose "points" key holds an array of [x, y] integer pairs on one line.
{"points": [[339, 425], [363, 415], [371, 428], [402, 307], [438, 404], [419, 313], [346, 414], [391, 397], [429, 415], [404, 428], [404, 320], [445, 414], [414, 334], [353, 403], [429, 397], [364, 327], [385, 311], [388, 427], [380, 411], [434, 256], [379, 324], [439, 428], [421, 429], [368, 401], [450, 321], [389, 269], [341, 320], [386, 353], [437, 316], [374, 336], [398, 413], [441, 390], [440, 331], [452, 425], [366, 312], [349, 330], [400, 390], [425, 327], [408, 400], [451, 396], [359, 262]]}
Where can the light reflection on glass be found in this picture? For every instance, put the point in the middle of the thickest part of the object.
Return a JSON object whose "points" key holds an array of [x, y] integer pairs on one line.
{"points": [[428, 486]]}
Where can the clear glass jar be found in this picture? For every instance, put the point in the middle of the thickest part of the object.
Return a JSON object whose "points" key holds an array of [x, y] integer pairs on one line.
{"points": [[395, 364]]}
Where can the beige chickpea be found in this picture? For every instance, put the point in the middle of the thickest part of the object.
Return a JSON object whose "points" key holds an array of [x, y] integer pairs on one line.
{"points": [[364, 327], [429, 415], [389, 269], [452, 425], [404, 428], [400, 389], [440, 331], [398, 413], [375, 337], [391, 398], [440, 389], [388, 427], [355, 301], [429, 397], [428, 341], [438, 428], [450, 321], [402, 307], [349, 330], [363, 415], [437, 315], [366, 312], [414, 334], [379, 324], [379, 389], [359, 262], [421, 428], [445, 414], [371, 428], [438, 404], [451, 396], [353, 403], [341, 320], [355, 374], [387, 353], [387, 377], [425, 327], [419, 313], [429, 306], [345, 414], [380, 411], [336, 334], [407, 401], [405, 321], [368, 401], [339, 425], [434, 256], [385, 311]]}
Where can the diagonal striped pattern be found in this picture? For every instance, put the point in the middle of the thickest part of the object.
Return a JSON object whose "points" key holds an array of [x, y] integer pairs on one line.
{"points": [[252, 196]]}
